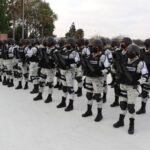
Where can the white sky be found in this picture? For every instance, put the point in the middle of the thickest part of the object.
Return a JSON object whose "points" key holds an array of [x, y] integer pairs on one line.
{"points": [[103, 17]]}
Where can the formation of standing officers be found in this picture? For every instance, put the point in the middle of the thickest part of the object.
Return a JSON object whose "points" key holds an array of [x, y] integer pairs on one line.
{"points": [[86, 61]]}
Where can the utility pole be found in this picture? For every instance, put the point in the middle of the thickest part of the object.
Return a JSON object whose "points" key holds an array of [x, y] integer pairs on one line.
{"points": [[22, 19]]}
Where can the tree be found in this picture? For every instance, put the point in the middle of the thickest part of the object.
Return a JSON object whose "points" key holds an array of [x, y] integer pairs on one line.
{"points": [[14, 11], [46, 18], [4, 20], [79, 34], [38, 20], [72, 31]]}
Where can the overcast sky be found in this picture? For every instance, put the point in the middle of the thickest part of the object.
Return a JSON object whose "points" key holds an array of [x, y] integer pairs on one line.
{"points": [[103, 17]]}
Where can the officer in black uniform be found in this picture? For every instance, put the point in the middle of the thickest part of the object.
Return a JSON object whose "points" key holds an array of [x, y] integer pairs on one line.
{"points": [[132, 74], [60, 46], [9, 52], [67, 60], [47, 70], [1, 60], [4, 57], [119, 57], [94, 71], [145, 55], [22, 66], [32, 58]]}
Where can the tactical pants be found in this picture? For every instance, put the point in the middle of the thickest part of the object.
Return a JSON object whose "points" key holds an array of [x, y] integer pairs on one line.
{"points": [[67, 77], [4, 67], [22, 71], [46, 75], [78, 76], [145, 91], [105, 84], [94, 87], [1, 66], [128, 97], [33, 72], [9, 72]]}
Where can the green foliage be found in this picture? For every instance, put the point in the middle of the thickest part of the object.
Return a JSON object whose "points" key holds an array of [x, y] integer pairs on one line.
{"points": [[4, 19], [39, 17], [79, 33]]}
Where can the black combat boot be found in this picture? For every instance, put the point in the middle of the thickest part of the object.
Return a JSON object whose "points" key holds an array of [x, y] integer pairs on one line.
{"points": [[19, 85], [4, 81], [79, 92], [142, 110], [120, 122], [38, 97], [131, 126], [7, 82], [88, 112], [116, 102], [26, 86], [104, 97], [62, 103], [70, 106], [49, 98], [11, 83], [35, 89], [0, 78], [99, 116]]}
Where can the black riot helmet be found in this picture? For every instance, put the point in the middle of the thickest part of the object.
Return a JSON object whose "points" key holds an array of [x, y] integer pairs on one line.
{"points": [[11, 41], [61, 42], [80, 42], [96, 45], [133, 51], [44, 42], [126, 41], [86, 43], [27, 42], [147, 43], [51, 41], [115, 43], [21, 42], [35, 42], [70, 43]]}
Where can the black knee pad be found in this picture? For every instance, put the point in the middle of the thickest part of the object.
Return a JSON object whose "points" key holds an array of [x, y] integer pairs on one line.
{"points": [[70, 90], [41, 84], [144, 94], [79, 79], [50, 84], [26, 75], [131, 108], [89, 95], [64, 89], [97, 97], [58, 74], [123, 105], [9, 72]]}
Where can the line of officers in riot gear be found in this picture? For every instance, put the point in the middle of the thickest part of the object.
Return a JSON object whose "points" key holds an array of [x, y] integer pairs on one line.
{"points": [[86, 61]]}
